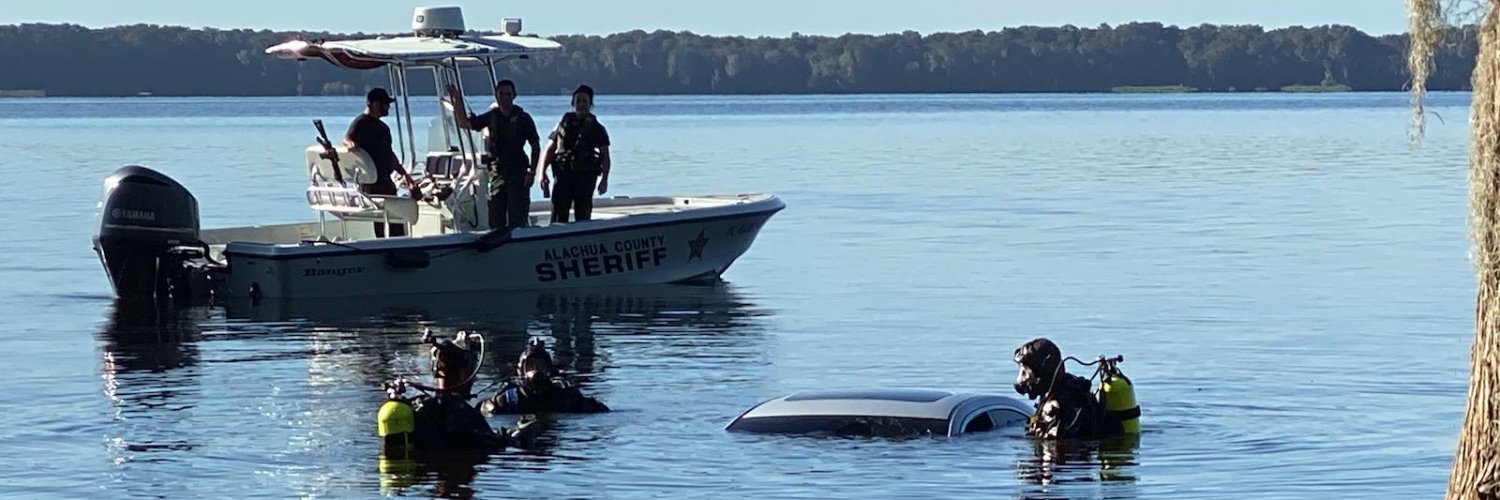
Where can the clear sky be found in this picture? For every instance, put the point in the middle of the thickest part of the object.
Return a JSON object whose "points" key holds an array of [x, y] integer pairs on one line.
{"points": [[718, 17]]}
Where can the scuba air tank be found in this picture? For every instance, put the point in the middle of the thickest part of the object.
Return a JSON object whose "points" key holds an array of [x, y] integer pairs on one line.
{"points": [[395, 424], [1117, 394]]}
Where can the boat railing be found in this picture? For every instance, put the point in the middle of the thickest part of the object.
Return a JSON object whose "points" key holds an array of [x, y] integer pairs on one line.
{"points": [[333, 188], [349, 204]]}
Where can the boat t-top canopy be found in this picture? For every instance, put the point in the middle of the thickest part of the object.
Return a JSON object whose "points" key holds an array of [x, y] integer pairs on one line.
{"points": [[439, 37], [439, 43], [372, 53]]}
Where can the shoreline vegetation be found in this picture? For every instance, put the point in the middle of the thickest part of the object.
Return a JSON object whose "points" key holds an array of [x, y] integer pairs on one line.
{"points": [[1183, 89], [61, 60]]}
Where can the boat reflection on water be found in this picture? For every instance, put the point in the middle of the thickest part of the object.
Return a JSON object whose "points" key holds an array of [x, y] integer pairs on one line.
{"points": [[365, 341], [572, 318], [155, 345], [713, 305], [1067, 465], [149, 363]]}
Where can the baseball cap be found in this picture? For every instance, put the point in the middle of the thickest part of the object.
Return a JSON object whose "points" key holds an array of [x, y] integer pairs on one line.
{"points": [[379, 94]]}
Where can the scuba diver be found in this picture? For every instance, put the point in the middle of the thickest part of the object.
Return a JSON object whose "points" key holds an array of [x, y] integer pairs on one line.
{"points": [[440, 418], [1065, 408], [538, 388]]}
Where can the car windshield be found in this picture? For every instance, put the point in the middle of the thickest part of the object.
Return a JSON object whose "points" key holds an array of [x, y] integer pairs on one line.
{"points": [[841, 425]]}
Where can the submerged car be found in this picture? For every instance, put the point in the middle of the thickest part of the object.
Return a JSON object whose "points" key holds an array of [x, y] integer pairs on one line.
{"points": [[883, 412]]}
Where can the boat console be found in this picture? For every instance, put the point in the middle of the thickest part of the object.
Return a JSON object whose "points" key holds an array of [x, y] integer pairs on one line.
{"points": [[449, 182]]}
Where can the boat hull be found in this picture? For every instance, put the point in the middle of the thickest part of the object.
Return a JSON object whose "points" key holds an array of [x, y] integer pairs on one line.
{"points": [[687, 246]]}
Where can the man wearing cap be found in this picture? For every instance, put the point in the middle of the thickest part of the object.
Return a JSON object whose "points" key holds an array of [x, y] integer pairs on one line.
{"points": [[370, 134]]}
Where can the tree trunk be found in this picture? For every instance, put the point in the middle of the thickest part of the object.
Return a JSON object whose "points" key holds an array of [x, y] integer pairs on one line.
{"points": [[1475, 462]]}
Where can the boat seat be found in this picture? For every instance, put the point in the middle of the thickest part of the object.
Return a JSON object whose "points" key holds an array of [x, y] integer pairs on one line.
{"points": [[327, 195], [357, 167], [350, 204]]}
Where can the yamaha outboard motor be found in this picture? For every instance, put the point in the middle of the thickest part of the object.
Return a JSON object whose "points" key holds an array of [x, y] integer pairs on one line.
{"points": [[148, 228]]}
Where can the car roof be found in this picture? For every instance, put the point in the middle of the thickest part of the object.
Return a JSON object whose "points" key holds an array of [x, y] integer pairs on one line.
{"points": [[891, 403]]}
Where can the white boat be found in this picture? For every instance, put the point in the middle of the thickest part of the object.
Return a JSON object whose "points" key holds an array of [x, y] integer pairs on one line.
{"points": [[150, 243]]}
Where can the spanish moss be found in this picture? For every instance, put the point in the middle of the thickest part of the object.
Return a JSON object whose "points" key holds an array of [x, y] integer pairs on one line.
{"points": [[1425, 23]]}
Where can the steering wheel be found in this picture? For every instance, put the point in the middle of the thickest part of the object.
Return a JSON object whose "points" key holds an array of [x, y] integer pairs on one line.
{"points": [[434, 195]]}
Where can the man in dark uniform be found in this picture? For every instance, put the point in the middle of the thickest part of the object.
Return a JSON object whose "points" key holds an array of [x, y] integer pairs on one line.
{"points": [[1066, 409], [538, 388], [370, 134], [578, 152], [512, 172]]}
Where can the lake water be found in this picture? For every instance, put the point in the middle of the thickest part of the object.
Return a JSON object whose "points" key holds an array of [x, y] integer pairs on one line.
{"points": [[1287, 280]]}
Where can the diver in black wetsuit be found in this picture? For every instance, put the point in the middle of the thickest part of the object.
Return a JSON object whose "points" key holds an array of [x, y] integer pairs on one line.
{"points": [[1065, 408], [538, 388], [440, 418]]}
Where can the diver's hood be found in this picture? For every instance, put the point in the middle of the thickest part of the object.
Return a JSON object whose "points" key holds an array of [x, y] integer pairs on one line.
{"points": [[1040, 361]]}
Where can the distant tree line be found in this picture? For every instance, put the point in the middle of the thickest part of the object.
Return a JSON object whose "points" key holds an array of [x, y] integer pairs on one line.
{"points": [[73, 60]]}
